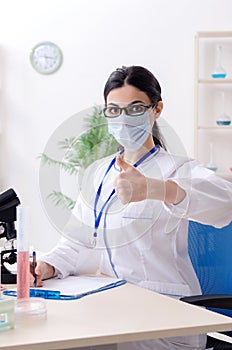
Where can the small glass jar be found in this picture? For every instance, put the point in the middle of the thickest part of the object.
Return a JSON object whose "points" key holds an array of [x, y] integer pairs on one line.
{"points": [[6, 314]]}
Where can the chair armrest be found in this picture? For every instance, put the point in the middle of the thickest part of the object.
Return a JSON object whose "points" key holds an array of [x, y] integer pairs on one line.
{"points": [[221, 301]]}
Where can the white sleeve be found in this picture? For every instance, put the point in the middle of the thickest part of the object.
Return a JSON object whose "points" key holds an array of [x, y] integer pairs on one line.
{"points": [[71, 258], [208, 197], [73, 254]]}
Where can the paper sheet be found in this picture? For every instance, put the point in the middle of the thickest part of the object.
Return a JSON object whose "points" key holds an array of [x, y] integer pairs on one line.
{"points": [[76, 285]]}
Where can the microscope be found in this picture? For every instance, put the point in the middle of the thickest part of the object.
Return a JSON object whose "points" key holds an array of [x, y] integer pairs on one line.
{"points": [[8, 215]]}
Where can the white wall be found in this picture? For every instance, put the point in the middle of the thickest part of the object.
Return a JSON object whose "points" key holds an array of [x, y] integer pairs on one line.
{"points": [[96, 36]]}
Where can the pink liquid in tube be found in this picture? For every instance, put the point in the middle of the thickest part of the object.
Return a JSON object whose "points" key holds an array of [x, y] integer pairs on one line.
{"points": [[23, 269], [23, 283]]}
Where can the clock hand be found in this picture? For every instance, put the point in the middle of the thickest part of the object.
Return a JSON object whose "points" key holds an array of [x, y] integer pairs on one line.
{"points": [[46, 58]]}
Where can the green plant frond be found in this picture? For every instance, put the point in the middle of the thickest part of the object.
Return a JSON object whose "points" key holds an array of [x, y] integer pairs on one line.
{"points": [[67, 143], [71, 168], [59, 199], [96, 119], [46, 160]]}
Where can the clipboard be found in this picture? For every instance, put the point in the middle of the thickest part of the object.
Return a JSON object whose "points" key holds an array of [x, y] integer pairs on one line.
{"points": [[88, 285]]}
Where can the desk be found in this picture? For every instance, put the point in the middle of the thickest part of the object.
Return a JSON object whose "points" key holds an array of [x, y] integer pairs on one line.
{"points": [[125, 313]]}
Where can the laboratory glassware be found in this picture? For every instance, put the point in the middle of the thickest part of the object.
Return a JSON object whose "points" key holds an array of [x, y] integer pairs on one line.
{"points": [[223, 118], [6, 314], [26, 308], [219, 71], [23, 268], [210, 165]]}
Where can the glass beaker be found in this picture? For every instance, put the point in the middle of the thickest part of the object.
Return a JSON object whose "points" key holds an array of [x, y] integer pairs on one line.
{"points": [[219, 71], [223, 118], [6, 314]]}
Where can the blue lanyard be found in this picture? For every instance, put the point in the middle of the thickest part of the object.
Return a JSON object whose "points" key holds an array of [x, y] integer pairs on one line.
{"points": [[98, 217]]}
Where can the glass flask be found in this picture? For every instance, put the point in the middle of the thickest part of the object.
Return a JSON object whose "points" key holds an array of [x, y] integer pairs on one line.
{"points": [[219, 71], [210, 165], [223, 118]]}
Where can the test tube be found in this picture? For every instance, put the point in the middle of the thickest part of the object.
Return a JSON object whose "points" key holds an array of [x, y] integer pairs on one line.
{"points": [[23, 268]]}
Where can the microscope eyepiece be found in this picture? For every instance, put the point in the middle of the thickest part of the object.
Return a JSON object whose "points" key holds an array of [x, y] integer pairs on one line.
{"points": [[8, 203], [7, 196]]}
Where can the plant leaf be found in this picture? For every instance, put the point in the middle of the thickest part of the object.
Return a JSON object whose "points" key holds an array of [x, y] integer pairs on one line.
{"points": [[62, 200]]}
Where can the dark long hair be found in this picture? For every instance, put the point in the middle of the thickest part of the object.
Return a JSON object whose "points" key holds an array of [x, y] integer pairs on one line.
{"points": [[142, 79]]}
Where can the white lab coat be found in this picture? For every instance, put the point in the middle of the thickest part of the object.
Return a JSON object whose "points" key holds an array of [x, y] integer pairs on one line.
{"points": [[146, 240]]}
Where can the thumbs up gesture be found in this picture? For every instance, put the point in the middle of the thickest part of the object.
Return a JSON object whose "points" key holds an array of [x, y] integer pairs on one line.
{"points": [[130, 185]]}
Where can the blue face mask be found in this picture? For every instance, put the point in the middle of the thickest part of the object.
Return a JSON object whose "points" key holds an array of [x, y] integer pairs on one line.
{"points": [[130, 131]]}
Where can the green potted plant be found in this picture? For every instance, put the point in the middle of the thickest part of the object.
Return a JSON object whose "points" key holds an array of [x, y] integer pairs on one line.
{"points": [[81, 151]]}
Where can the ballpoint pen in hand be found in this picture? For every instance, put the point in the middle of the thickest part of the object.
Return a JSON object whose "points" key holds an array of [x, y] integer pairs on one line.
{"points": [[34, 266]]}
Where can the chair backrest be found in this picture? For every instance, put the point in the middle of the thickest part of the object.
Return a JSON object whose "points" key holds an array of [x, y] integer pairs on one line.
{"points": [[210, 250]]}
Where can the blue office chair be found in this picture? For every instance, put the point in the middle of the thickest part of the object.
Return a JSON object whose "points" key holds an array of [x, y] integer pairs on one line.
{"points": [[210, 250]]}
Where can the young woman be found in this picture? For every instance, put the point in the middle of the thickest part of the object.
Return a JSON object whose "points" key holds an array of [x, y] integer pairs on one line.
{"points": [[133, 210]]}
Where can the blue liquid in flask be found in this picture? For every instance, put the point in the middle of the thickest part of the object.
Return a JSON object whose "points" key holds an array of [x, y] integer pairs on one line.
{"points": [[218, 75]]}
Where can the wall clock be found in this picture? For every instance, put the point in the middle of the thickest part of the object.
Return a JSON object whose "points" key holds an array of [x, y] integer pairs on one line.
{"points": [[46, 57]]}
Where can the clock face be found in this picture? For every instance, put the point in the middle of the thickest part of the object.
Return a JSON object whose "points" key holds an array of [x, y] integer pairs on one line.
{"points": [[46, 57]]}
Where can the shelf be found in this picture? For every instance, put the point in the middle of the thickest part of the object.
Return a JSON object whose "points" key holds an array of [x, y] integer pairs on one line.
{"points": [[225, 127], [211, 97], [215, 81], [213, 35]]}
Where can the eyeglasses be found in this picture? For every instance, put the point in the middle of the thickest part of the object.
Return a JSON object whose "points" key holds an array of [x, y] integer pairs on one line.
{"points": [[133, 110]]}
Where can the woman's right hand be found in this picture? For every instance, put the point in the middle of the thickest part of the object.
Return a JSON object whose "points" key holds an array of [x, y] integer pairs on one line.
{"points": [[43, 271]]}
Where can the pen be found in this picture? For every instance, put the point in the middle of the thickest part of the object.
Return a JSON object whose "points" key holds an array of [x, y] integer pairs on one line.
{"points": [[34, 266]]}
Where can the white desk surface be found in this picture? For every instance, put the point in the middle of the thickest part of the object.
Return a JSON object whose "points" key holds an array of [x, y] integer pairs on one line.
{"points": [[125, 313]]}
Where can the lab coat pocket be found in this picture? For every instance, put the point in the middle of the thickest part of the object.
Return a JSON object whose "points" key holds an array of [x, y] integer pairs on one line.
{"points": [[146, 210], [137, 220], [142, 210]]}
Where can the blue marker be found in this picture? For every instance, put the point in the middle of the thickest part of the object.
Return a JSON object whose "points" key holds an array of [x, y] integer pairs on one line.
{"points": [[46, 294], [38, 293]]}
